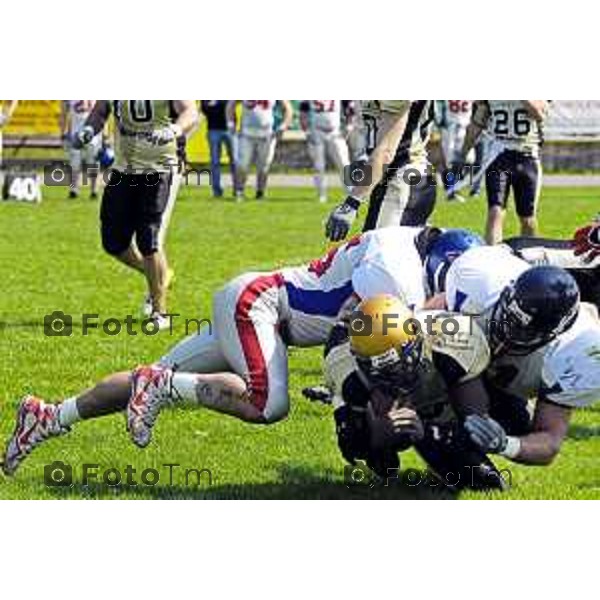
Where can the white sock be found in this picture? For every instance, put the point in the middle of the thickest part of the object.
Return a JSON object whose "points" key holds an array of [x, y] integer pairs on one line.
{"points": [[68, 413], [184, 387]]}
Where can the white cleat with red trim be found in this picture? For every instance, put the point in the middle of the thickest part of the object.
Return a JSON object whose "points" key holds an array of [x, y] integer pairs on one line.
{"points": [[36, 422], [150, 392]]}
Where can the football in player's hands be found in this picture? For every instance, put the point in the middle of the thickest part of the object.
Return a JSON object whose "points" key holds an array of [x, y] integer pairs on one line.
{"points": [[399, 429]]}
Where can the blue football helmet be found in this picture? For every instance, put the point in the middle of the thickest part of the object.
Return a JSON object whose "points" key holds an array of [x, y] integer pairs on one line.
{"points": [[541, 304], [106, 156], [443, 251]]}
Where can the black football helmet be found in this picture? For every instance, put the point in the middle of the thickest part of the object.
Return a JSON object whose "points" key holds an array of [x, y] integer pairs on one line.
{"points": [[541, 304]]}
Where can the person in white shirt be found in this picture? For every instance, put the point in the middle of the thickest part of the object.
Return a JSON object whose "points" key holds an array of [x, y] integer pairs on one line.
{"points": [[258, 135], [322, 120]]}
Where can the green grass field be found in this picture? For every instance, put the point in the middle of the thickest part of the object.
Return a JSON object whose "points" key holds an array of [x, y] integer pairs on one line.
{"points": [[51, 259]]}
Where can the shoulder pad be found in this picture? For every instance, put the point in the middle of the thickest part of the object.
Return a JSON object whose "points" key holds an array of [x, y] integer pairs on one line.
{"points": [[459, 338]]}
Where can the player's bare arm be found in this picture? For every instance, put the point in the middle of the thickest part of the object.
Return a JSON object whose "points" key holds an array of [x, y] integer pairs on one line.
{"points": [[391, 130], [550, 426], [469, 397], [474, 131], [288, 114], [187, 115], [98, 116], [391, 127], [540, 447], [537, 109]]}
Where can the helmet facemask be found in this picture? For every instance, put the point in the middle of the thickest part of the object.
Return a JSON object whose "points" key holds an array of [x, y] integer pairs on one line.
{"points": [[517, 332], [395, 372]]}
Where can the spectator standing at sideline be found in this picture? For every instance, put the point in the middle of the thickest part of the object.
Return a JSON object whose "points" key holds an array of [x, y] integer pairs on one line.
{"points": [[218, 136]]}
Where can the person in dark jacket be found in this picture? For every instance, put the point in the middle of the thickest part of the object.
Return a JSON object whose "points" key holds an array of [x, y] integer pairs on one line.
{"points": [[218, 136]]}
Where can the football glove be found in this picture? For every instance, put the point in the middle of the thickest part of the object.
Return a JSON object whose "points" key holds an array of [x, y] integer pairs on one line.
{"points": [[587, 241], [341, 219], [83, 137], [398, 430], [487, 434], [160, 137]]}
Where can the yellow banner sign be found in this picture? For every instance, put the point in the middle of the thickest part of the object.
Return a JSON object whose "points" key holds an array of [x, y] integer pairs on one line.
{"points": [[42, 118], [35, 117]]}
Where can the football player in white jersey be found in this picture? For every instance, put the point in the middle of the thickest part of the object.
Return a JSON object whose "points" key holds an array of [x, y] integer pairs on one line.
{"points": [[7, 108], [393, 389], [258, 134], [239, 365], [453, 119], [541, 347], [73, 116], [396, 181], [321, 120], [516, 128]]}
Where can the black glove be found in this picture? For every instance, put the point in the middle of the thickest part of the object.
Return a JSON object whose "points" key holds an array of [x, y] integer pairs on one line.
{"points": [[83, 137], [398, 429], [341, 219]]}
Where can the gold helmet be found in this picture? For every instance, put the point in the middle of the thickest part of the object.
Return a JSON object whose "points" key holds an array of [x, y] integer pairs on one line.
{"points": [[387, 342]]}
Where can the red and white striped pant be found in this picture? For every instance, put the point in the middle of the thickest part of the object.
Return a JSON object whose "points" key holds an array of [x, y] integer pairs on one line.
{"points": [[245, 339]]}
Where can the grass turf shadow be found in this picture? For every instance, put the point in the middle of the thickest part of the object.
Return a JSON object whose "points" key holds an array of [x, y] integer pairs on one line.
{"points": [[293, 484]]}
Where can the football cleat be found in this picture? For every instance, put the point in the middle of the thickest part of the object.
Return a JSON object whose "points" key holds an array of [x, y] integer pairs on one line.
{"points": [[161, 322], [36, 422], [147, 304], [150, 392]]}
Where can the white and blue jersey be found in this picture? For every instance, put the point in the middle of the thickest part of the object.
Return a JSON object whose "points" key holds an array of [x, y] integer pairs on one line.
{"points": [[257, 316], [384, 261], [476, 279], [566, 371]]}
